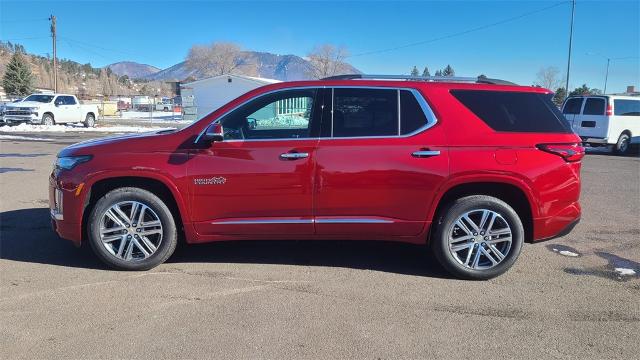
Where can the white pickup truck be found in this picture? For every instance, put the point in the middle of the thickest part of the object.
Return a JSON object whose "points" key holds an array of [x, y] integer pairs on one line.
{"points": [[50, 109]]}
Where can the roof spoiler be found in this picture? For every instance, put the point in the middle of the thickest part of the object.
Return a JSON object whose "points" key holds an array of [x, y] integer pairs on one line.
{"points": [[479, 79]]}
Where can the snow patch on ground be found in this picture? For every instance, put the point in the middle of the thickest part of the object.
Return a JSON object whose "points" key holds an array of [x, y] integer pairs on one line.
{"points": [[566, 253], [28, 128], [625, 271], [17, 137], [155, 116]]}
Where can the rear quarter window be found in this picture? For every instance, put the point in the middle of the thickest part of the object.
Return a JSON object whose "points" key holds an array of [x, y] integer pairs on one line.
{"points": [[626, 107], [514, 111]]}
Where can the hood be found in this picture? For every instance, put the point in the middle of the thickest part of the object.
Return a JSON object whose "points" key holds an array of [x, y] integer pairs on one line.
{"points": [[139, 142], [25, 104]]}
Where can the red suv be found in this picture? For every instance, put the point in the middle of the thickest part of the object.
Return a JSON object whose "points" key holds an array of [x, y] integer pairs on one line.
{"points": [[471, 167]]}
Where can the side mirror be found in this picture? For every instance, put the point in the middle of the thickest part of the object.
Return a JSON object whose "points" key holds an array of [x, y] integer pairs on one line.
{"points": [[214, 132]]}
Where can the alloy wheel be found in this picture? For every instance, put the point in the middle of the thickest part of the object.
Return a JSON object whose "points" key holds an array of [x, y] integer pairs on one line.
{"points": [[480, 239], [131, 231]]}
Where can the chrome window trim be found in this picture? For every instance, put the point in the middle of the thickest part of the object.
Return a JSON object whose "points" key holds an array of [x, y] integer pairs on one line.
{"points": [[399, 113], [426, 109]]}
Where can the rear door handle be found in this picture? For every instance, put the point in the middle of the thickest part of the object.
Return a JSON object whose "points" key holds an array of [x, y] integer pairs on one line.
{"points": [[294, 155], [425, 153]]}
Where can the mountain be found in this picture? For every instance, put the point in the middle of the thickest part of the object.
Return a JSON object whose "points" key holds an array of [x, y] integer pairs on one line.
{"points": [[132, 69], [272, 66]]}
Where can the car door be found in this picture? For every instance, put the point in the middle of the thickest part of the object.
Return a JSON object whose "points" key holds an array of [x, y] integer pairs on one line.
{"points": [[593, 122], [68, 109], [259, 179], [380, 160], [572, 108]]}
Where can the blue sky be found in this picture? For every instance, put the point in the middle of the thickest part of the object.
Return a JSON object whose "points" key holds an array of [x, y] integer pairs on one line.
{"points": [[161, 32]]}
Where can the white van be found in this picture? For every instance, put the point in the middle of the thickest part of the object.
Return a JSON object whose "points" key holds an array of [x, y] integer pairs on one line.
{"points": [[605, 119]]}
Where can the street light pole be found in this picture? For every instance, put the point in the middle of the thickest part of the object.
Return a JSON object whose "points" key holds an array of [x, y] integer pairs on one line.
{"points": [[606, 76], [573, 10]]}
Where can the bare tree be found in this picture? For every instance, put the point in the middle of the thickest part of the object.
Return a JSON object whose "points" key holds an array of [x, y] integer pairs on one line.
{"points": [[548, 78], [327, 60], [219, 58]]}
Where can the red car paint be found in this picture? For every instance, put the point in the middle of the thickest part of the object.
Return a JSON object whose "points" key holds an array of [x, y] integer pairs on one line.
{"points": [[343, 178]]}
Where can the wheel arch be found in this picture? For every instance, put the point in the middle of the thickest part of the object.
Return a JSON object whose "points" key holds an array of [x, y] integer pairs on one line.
{"points": [[49, 113], [517, 195], [168, 193]]}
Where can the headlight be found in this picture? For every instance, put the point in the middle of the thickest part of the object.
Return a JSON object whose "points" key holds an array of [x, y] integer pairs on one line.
{"points": [[69, 162], [32, 109]]}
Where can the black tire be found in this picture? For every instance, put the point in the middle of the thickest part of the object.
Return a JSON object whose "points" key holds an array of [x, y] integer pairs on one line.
{"points": [[623, 146], [89, 121], [47, 119], [169, 231], [439, 242]]}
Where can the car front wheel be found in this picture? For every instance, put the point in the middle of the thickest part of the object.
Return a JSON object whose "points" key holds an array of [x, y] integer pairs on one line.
{"points": [[132, 229], [477, 237]]}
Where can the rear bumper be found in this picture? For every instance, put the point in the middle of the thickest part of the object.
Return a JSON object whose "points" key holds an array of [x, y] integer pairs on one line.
{"points": [[594, 140], [558, 225]]}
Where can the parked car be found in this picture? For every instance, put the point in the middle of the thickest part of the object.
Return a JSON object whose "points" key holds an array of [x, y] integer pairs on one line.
{"points": [[164, 105], [605, 120], [471, 167], [50, 109]]}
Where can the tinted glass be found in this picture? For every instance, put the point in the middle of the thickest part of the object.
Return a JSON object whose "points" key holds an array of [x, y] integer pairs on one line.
{"points": [[572, 106], [626, 107], [412, 116], [514, 111], [39, 98], [281, 115], [365, 112], [594, 106], [69, 100]]}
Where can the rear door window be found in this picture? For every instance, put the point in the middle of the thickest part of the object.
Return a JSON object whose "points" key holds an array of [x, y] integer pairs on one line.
{"points": [[594, 106], [509, 111], [572, 106], [622, 107], [412, 115], [365, 112]]}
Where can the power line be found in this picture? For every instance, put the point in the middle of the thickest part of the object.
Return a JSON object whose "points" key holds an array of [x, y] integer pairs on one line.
{"points": [[461, 32], [23, 20], [97, 47]]}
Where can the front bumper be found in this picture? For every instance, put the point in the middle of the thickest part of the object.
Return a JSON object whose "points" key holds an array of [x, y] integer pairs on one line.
{"points": [[32, 118], [63, 204]]}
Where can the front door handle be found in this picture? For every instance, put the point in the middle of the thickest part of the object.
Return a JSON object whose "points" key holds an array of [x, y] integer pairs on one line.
{"points": [[294, 155], [425, 153]]}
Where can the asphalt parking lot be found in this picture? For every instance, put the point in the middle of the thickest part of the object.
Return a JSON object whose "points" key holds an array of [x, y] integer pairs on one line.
{"points": [[562, 299]]}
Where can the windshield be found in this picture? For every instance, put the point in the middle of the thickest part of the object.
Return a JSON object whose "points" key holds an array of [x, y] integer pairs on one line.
{"points": [[39, 98]]}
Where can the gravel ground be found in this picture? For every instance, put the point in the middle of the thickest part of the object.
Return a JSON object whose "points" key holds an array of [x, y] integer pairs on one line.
{"points": [[562, 299]]}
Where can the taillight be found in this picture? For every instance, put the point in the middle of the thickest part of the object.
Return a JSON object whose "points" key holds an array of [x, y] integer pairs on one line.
{"points": [[569, 152], [609, 110]]}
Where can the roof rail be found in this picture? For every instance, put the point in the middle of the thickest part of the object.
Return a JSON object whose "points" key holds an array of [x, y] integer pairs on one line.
{"points": [[479, 80]]}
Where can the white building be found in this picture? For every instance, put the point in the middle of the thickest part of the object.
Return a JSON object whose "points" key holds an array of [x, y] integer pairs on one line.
{"points": [[211, 93]]}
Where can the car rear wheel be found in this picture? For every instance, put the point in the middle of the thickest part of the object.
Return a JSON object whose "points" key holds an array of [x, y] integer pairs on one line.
{"points": [[47, 119], [477, 237], [623, 145], [89, 121], [132, 229]]}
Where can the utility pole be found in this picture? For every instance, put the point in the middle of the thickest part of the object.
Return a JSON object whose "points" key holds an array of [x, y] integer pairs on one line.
{"points": [[573, 10], [55, 61]]}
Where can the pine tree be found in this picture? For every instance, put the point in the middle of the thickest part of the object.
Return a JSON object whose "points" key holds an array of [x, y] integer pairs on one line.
{"points": [[425, 72], [558, 97], [448, 71], [18, 79], [438, 72], [415, 72]]}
